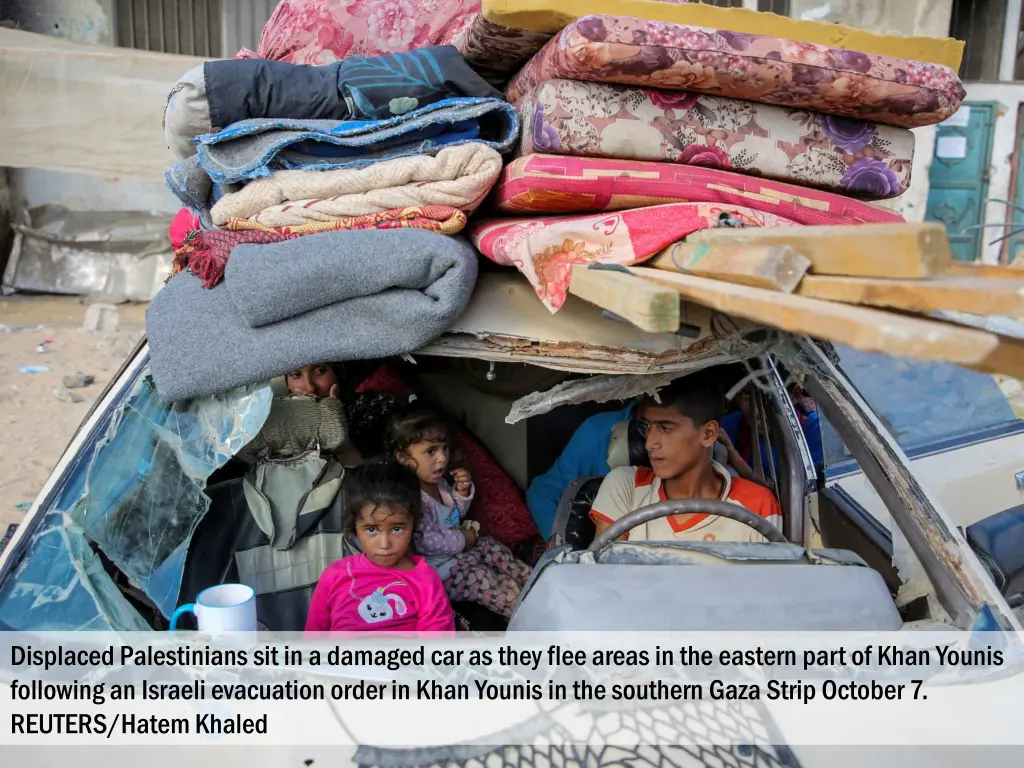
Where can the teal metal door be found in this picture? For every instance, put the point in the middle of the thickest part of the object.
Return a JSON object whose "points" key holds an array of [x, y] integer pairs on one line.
{"points": [[959, 176], [1015, 212]]}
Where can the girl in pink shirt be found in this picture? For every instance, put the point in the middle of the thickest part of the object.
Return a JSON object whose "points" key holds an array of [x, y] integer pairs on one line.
{"points": [[383, 589]]}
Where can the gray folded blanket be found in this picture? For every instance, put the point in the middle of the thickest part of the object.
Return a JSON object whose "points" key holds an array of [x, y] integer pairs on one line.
{"points": [[333, 297]]}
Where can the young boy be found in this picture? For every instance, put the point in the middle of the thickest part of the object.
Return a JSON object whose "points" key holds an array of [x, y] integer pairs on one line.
{"points": [[681, 430]]}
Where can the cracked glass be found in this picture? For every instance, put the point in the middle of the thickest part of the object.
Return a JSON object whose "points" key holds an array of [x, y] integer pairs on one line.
{"points": [[128, 502]]}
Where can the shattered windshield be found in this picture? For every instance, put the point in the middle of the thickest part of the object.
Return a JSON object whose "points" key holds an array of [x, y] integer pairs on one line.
{"points": [[925, 405], [132, 497]]}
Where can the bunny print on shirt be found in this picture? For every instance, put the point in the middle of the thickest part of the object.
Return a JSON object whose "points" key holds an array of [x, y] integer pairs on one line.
{"points": [[375, 607]]}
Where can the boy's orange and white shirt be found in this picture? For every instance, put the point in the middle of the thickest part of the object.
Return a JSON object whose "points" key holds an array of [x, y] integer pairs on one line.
{"points": [[629, 488]]}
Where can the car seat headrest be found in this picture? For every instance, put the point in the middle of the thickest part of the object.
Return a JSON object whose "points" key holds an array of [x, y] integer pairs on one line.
{"points": [[627, 447]]}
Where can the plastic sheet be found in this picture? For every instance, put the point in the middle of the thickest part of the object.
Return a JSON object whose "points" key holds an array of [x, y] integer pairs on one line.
{"points": [[144, 488], [121, 256], [601, 389]]}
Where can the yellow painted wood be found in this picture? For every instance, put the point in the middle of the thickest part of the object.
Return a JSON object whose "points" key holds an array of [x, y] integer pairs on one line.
{"points": [[993, 271], [977, 295]]}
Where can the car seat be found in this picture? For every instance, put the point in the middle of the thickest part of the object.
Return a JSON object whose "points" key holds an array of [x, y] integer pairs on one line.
{"points": [[999, 543]]}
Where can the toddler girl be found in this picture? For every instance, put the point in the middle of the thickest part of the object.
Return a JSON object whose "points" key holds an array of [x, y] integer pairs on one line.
{"points": [[383, 588], [478, 569]]}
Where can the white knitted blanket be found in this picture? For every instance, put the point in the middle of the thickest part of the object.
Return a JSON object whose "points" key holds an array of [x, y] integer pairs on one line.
{"points": [[459, 176]]}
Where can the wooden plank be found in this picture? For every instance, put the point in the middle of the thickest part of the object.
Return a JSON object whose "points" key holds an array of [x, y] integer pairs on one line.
{"points": [[977, 295], [990, 271], [870, 330], [773, 267], [649, 307], [862, 250]]}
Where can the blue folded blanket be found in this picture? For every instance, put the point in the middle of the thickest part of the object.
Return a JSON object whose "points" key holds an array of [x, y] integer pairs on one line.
{"points": [[254, 148]]}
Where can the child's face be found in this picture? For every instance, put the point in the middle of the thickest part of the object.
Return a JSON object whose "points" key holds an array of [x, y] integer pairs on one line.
{"points": [[384, 533], [428, 458]]}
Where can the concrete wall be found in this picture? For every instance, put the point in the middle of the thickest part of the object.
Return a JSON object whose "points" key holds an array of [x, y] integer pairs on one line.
{"points": [[901, 17], [83, 21], [1009, 97]]}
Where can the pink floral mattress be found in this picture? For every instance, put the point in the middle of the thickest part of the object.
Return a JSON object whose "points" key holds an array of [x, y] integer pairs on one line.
{"points": [[769, 70], [851, 157], [553, 184], [545, 249], [323, 31]]}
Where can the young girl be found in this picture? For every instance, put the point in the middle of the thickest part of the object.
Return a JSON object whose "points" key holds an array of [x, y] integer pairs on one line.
{"points": [[480, 570], [384, 588]]}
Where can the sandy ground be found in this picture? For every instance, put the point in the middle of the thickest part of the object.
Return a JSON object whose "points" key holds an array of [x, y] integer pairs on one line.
{"points": [[35, 424]]}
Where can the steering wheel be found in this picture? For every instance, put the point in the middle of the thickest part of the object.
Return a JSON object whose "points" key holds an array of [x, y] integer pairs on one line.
{"points": [[683, 506]]}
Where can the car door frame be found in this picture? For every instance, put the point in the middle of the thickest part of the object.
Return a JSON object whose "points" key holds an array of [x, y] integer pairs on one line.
{"points": [[961, 584]]}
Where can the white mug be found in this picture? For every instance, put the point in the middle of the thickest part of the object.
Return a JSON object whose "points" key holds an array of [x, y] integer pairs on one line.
{"points": [[224, 608]]}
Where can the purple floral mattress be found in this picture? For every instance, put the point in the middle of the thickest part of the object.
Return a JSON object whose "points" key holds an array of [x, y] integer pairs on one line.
{"points": [[769, 70], [852, 157]]}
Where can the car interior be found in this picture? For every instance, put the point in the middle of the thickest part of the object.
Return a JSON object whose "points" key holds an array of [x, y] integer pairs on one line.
{"points": [[698, 585], [479, 396]]}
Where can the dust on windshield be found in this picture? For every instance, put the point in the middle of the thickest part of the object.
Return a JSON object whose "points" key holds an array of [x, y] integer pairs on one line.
{"points": [[925, 405]]}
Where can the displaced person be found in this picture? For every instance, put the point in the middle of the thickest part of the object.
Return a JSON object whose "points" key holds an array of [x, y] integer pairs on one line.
{"points": [[681, 430], [807, 412], [735, 435], [585, 455], [479, 570], [366, 413], [384, 588]]}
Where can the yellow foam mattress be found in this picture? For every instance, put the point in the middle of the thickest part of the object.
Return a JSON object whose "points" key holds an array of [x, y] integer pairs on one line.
{"points": [[551, 15]]}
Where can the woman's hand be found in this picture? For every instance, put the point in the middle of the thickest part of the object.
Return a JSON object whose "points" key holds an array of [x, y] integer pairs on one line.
{"points": [[471, 537], [723, 438], [462, 483]]}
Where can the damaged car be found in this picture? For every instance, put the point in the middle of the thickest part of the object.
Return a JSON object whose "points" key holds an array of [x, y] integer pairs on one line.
{"points": [[143, 509]]}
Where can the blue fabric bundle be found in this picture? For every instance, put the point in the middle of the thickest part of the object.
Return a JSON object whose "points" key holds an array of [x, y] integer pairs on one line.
{"points": [[253, 148], [358, 88]]}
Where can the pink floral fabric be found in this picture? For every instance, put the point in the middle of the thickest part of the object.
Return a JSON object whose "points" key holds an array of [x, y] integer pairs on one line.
{"points": [[553, 184], [323, 31], [546, 249], [851, 157], [770, 70]]}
